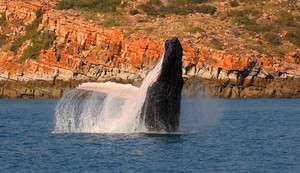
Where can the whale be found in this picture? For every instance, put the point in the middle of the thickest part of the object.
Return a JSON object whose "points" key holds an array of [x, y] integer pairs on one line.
{"points": [[159, 97], [161, 108]]}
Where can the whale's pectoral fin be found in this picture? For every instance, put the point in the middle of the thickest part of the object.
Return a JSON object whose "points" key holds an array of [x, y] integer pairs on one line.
{"points": [[120, 90]]}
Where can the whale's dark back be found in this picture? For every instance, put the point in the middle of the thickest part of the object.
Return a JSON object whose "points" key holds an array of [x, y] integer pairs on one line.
{"points": [[161, 109]]}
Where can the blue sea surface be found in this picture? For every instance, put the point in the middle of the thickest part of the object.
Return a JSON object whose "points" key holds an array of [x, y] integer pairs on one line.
{"points": [[251, 135]]}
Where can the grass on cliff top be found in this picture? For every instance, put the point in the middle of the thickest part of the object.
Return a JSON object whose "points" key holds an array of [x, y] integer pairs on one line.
{"points": [[90, 5], [194, 29], [151, 7], [180, 7], [272, 42]]}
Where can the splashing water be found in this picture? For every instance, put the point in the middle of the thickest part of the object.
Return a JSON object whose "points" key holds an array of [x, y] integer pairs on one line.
{"points": [[80, 111], [118, 109]]}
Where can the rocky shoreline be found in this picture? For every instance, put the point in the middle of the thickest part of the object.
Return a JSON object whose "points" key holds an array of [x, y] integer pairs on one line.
{"points": [[193, 87], [261, 88]]}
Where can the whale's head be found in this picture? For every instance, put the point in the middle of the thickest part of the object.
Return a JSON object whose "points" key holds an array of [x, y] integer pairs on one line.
{"points": [[172, 59]]}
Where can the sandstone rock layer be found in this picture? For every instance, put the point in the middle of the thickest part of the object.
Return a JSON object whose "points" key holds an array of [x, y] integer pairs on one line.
{"points": [[84, 51]]}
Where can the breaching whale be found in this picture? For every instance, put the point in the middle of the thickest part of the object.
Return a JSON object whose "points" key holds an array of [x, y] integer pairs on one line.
{"points": [[161, 108], [160, 92]]}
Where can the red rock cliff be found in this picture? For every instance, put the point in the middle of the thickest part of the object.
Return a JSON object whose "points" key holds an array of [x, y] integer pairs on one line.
{"points": [[84, 51]]}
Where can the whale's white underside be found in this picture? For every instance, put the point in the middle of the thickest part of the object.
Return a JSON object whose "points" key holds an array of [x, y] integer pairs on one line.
{"points": [[119, 90]]}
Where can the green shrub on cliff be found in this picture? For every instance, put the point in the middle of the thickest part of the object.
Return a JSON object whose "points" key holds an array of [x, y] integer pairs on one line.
{"points": [[242, 20], [90, 17], [38, 13], [2, 24], [152, 7], [286, 19], [31, 33], [257, 28], [2, 19], [217, 43], [110, 22], [293, 35], [65, 4], [195, 29], [234, 3], [92, 5], [199, 1], [181, 7], [272, 38], [134, 12], [242, 17], [41, 41], [206, 9]]}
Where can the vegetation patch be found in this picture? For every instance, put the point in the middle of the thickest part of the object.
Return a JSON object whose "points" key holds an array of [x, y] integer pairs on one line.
{"points": [[2, 19], [195, 29], [290, 4], [286, 19], [206, 9], [242, 20], [141, 20], [149, 29], [217, 43], [90, 17], [257, 47], [41, 41], [60, 46], [31, 33], [181, 7], [250, 1], [279, 51], [90, 5], [272, 38], [257, 28], [134, 12], [152, 7], [110, 22], [2, 24], [245, 12], [270, 32], [38, 13], [234, 3], [241, 17], [293, 36]]}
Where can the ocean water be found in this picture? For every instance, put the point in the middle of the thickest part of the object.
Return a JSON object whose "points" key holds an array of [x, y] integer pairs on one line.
{"points": [[252, 135]]}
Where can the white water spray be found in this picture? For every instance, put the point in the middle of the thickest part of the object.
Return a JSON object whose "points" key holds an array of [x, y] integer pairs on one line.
{"points": [[116, 110]]}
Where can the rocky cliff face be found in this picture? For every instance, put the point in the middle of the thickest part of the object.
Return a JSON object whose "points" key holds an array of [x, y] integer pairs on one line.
{"points": [[83, 51]]}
